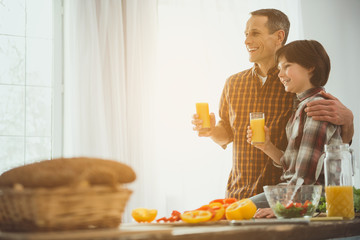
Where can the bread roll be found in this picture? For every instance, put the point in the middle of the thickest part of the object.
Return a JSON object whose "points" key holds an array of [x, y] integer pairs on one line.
{"points": [[68, 172]]}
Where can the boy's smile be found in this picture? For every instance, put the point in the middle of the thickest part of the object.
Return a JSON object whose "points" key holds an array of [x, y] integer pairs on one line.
{"points": [[294, 77]]}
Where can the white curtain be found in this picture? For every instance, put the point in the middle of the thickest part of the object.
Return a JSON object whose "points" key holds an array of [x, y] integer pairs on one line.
{"points": [[133, 72], [110, 59]]}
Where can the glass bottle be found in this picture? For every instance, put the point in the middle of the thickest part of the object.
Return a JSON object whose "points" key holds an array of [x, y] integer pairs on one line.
{"points": [[338, 171]]}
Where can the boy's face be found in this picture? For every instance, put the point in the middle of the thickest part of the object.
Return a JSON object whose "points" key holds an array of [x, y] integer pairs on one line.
{"points": [[260, 44], [294, 77]]}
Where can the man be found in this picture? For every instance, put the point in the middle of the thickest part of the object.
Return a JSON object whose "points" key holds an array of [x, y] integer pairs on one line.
{"points": [[259, 90]]}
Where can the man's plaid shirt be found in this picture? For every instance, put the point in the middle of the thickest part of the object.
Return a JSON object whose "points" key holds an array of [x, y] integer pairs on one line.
{"points": [[244, 93]]}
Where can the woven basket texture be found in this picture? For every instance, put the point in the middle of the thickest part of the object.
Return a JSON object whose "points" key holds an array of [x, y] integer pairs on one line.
{"points": [[62, 208]]}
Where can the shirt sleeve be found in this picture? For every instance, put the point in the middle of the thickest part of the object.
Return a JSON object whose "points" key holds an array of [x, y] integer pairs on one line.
{"points": [[276, 164], [224, 121]]}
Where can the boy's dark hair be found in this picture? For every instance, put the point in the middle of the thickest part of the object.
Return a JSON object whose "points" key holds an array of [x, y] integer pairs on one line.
{"points": [[277, 20], [308, 53]]}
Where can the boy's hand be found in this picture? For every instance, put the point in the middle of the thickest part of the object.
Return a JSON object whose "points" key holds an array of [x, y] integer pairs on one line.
{"points": [[260, 146]]}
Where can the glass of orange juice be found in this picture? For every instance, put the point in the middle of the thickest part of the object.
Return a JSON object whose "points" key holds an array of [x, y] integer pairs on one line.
{"points": [[257, 123], [340, 201], [202, 109], [338, 169]]}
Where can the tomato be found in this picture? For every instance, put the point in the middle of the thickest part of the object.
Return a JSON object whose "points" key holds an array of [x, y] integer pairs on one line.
{"points": [[196, 216], [230, 200], [144, 214], [307, 203], [243, 209], [218, 201], [298, 205], [289, 205]]}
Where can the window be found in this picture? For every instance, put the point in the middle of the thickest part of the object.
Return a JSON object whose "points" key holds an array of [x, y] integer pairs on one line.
{"points": [[27, 94]]}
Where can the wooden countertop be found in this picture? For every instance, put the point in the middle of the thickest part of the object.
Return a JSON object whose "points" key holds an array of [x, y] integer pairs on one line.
{"points": [[252, 229]]}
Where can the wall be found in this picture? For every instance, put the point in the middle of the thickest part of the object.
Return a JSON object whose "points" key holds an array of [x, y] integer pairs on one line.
{"points": [[334, 23]]}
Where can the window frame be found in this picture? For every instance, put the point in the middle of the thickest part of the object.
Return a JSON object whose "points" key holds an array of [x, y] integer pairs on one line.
{"points": [[58, 80]]}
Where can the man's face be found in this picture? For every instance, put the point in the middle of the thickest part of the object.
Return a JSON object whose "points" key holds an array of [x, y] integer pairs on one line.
{"points": [[260, 44]]}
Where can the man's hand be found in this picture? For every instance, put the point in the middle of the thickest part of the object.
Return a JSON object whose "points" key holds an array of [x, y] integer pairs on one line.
{"points": [[333, 111], [264, 213], [329, 110], [203, 132]]}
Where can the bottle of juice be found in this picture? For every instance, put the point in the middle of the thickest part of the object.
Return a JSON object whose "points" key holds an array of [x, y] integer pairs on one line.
{"points": [[338, 181]]}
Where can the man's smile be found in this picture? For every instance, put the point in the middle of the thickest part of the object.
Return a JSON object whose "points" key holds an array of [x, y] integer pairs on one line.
{"points": [[252, 49]]}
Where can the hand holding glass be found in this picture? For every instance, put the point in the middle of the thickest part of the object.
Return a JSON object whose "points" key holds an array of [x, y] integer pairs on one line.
{"points": [[257, 123]]}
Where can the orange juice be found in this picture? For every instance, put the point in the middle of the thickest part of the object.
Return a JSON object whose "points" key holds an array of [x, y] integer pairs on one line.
{"points": [[257, 127], [340, 201], [202, 109]]}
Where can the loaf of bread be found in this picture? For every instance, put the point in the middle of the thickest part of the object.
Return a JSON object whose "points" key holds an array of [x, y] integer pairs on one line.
{"points": [[68, 172]]}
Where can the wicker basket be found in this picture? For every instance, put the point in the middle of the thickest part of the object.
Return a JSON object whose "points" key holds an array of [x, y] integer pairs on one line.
{"points": [[62, 208]]}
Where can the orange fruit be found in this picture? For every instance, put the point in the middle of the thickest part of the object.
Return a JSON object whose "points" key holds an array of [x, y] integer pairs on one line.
{"points": [[219, 211], [196, 216], [243, 209], [144, 214]]}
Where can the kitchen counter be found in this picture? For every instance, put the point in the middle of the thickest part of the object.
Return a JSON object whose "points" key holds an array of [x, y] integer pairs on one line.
{"points": [[252, 229]]}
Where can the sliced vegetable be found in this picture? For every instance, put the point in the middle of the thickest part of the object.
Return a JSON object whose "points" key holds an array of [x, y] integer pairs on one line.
{"points": [[225, 201], [207, 208], [230, 200], [221, 200], [219, 210], [175, 216], [289, 205], [298, 205]]}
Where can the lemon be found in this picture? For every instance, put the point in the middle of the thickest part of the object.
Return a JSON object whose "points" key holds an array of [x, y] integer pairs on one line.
{"points": [[243, 209], [196, 216], [144, 214]]}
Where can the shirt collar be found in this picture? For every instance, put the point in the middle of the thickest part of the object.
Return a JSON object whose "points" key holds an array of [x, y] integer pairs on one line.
{"points": [[272, 71], [308, 93]]}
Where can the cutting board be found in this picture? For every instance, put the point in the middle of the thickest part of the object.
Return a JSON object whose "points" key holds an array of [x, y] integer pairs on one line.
{"points": [[183, 224], [264, 221], [88, 234]]}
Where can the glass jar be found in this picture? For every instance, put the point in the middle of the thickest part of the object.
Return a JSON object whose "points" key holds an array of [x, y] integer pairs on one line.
{"points": [[338, 172]]}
